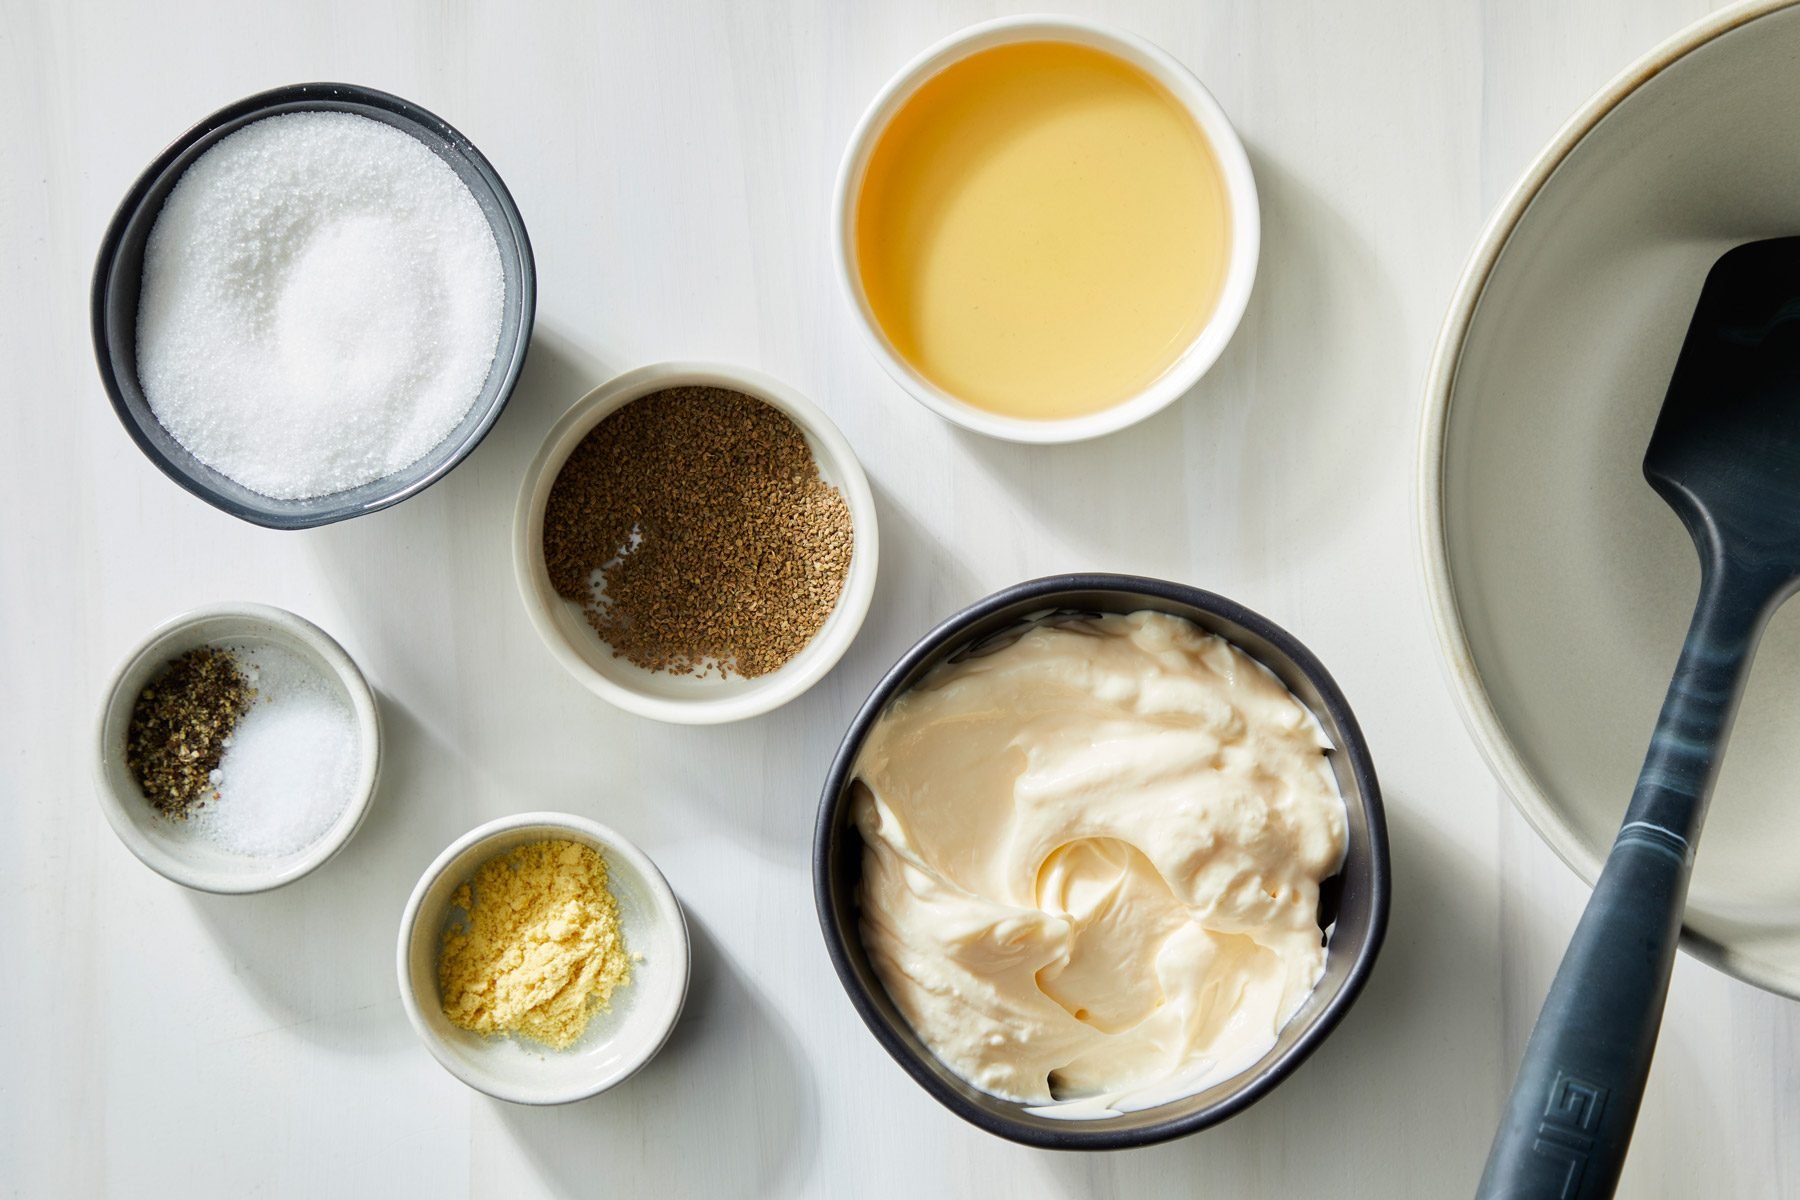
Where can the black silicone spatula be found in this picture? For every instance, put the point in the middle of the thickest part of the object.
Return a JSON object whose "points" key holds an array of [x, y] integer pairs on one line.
{"points": [[1726, 457]]}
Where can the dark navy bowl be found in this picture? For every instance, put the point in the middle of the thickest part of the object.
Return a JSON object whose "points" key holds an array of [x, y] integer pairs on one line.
{"points": [[118, 281], [1353, 904]]}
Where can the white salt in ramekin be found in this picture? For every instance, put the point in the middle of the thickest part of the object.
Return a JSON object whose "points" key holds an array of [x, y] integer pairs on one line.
{"points": [[1240, 191], [163, 845]]}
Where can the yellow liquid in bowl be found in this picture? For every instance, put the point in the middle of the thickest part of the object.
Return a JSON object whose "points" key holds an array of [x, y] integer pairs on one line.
{"points": [[1042, 230]]}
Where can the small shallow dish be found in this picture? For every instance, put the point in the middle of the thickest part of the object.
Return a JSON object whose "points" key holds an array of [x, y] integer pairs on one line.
{"points": [[618, 1042], [1353, 904], [1240, 187], [686, 699], [161, 844], [118, 276], [1561, 585]]}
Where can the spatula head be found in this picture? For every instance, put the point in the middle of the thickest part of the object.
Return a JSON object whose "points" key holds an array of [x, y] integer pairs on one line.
{"points": [[1726, 450]]}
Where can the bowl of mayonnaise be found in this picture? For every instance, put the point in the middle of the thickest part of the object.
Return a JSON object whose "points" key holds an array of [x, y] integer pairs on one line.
{"points": [[1102, 860]]}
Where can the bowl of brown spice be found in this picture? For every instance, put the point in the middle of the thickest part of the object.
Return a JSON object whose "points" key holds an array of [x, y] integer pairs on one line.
{"points": [[696, 543]]}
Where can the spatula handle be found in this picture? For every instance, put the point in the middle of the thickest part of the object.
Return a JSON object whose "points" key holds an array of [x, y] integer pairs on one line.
{"points": [[1569, 1120]]}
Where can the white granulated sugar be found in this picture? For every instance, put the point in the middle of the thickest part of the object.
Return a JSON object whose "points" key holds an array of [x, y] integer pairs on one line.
{"points": [[291, 765], [321, 302]]}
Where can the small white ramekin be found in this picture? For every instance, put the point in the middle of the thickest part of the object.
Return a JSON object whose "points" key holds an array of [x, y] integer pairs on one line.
{"points": [[687, 699], [163, 845], [1240, 189], [619, 1041]]}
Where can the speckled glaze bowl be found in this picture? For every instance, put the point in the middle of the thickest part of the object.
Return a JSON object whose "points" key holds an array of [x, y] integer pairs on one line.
{"points": [[118, 280], [1353, 904]]}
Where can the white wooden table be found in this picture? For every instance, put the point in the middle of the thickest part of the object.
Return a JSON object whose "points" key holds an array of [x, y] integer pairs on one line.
{"points": [[674, 164]]}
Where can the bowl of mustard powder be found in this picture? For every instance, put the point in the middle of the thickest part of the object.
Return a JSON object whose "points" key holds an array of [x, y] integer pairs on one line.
{"points": [[543, 958]]}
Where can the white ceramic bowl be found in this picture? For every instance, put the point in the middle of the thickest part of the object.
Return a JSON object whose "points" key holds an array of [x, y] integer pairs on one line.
{"points": [[1560, 583], [686, 699], [619, 1041], [168, 847], [1240, 188]]}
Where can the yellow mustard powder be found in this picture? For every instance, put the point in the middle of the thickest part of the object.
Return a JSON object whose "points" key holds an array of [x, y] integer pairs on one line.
{"points": [[541, 950]]}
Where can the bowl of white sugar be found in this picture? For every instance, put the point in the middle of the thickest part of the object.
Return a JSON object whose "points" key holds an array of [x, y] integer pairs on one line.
{"points": [[313, 304], [238, 749]]}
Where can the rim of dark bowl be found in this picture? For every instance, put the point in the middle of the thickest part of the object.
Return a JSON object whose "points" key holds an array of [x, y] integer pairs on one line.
{"points": [[870, 999], [126, 393]]}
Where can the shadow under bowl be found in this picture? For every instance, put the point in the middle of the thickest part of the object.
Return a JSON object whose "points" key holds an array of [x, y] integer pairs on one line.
{"points": [[1354, 903], [118, 282]]}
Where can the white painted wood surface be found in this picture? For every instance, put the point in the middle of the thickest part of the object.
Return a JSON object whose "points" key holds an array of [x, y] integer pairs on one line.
{"points": [[674, 162]]}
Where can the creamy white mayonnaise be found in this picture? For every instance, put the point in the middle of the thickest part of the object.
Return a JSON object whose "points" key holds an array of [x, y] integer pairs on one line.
{"points": [[1092, 861]]}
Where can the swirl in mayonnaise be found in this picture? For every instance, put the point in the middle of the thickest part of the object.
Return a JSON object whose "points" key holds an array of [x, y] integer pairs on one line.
{"points": [[1092, 861]]}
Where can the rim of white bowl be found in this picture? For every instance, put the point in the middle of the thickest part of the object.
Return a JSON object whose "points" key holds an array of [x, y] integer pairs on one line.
{"points": [[298, 631], [1477, 708], [1240, 188], [668, 912], [762, 693]]}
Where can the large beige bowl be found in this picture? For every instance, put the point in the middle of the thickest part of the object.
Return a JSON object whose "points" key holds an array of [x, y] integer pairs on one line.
{"points": [[1561, 585]]}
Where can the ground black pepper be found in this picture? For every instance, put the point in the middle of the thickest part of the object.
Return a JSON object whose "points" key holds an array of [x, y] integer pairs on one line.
{"points": [[179, 727], [694, 528]]}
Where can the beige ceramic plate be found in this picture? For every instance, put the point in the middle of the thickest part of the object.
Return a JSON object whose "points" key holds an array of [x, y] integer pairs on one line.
{"points": [[1561, 585]]}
